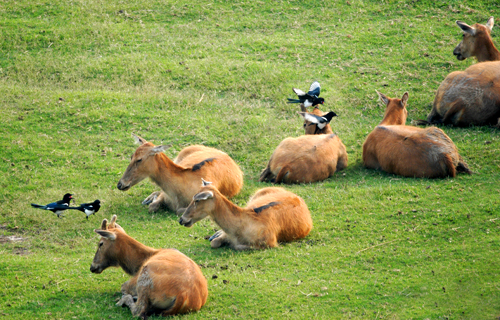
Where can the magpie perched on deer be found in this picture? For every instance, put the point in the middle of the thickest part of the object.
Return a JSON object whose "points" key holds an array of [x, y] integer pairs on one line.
{"points": [[321, 122], [309, 99]]}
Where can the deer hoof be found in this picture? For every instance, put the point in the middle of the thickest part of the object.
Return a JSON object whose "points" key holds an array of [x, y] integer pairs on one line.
{"points": [[152, 197], [215, 235]]}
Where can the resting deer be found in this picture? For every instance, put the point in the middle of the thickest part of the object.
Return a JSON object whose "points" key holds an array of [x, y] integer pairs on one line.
{"points": [[272, 215], [179, 179], [470, 97], [410, 151], [163, 281], [305, 159]]}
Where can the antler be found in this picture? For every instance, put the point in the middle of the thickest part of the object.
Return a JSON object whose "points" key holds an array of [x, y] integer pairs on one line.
{"points": [[113, 220], [104, 224]]}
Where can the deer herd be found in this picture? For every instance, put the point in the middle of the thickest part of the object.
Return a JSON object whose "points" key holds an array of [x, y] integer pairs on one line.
{"points": [[200, 181]]}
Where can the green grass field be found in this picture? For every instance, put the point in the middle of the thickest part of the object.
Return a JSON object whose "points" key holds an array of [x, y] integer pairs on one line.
{"points": [[78, 77]]}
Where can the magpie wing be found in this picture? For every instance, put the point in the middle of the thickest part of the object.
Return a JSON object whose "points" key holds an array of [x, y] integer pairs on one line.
{"points": [[310, 117], [315, 89], [299, 92], [56, 206]]}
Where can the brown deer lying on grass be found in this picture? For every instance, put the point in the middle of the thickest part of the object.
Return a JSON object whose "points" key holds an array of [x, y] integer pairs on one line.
{"points": [[312, 128], [272, 215], [164, 281], [305, 159], [180, 179], [471, 97], [410, 151]]}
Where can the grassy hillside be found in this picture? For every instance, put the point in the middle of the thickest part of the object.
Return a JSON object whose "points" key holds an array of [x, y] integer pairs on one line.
{"points": [[78, 77]]}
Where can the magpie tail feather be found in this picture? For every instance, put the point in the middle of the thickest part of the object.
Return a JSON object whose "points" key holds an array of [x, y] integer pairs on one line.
{"points": [[38, 206], [293, 100], [76, 208]]}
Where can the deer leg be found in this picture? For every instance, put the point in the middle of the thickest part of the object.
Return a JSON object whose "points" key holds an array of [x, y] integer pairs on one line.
{"points": [[454, 114], [270, 242], [241, 247], [219, 240], [370, 159], [342, 162], [215, 235], [152, 197], [233, 243], [160, 201], [138, 308], [130, 287], [282, 174], [126, 300]]}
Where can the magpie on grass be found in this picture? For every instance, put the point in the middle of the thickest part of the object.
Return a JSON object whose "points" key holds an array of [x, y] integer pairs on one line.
{"points": [[88, 208], [321, 122], [309, 99], [57, 207]]}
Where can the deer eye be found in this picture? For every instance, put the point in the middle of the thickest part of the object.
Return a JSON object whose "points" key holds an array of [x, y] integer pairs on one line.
{"points": [[100, 244], [138, 160]]}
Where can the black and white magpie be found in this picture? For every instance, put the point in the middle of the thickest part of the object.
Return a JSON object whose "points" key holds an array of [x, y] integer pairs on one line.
{"points": [[309, 99], [321, 122], [88, 208], [57, 207]]}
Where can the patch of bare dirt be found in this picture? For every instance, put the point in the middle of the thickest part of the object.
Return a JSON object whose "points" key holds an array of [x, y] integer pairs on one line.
{"points": [[4, 239]]}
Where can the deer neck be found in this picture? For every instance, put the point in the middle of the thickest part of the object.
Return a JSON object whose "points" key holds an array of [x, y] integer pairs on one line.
{"points": [[167, 175], [392, 119], [228, 216], [132, 256], [327, 130], [488, 53]]}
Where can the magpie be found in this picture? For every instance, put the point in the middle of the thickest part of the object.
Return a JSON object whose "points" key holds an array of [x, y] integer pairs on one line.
{"points": [[321, 122], [57, 207], [311, 98], [88, 208]]}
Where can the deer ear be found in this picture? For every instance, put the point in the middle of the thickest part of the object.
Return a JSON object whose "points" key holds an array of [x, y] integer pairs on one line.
{"points": [[203, 195], [490, 23], [138, 139], [205, 183], [466, 28], [106, 234], [404, 99], [383, 98], [159, 149], [104, 224]]}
